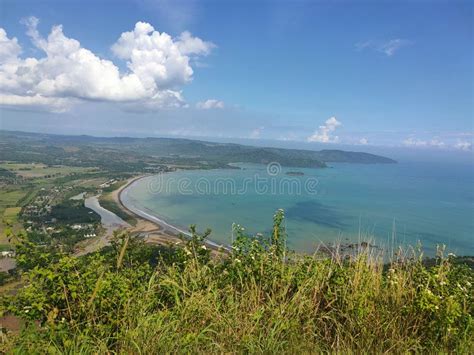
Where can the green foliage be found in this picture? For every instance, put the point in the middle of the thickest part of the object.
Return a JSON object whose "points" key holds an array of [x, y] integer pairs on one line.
{"points": [[73, 211], [31, 255], [257, 297], [4, 278]]}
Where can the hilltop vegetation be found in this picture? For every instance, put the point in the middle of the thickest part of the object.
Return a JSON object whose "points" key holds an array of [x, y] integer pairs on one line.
{"points": [[137, 298]]}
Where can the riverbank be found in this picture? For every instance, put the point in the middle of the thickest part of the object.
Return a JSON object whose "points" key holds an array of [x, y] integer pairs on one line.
{"points": [[109, 221]]}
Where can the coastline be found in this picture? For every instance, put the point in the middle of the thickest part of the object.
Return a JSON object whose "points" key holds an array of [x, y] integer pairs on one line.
{"points": [[167, 231]]}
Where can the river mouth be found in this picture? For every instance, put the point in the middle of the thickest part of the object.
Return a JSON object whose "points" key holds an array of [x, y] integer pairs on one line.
{"points": [[109, 220]]}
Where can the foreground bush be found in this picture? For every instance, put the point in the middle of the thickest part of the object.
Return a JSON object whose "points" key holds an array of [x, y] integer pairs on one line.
{"points": [[133, 298]]}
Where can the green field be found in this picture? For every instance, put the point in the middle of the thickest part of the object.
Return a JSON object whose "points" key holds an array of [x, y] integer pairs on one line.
{"points": [[9, 211], [9, 198], [13, 197], [10, 214], [38, 170]]}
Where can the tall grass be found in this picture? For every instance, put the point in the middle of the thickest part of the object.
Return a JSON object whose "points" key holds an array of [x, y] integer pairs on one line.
{"points": [[258, 298]]}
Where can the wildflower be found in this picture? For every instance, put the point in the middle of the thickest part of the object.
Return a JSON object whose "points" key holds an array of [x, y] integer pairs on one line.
{"points": [[237, 261]]}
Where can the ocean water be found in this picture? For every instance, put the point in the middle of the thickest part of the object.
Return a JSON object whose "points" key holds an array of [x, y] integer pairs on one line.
{"points": [[393, 204]]}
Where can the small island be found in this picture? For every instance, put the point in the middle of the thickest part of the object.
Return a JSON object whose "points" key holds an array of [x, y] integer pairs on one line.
{"points": [[294, 173]]}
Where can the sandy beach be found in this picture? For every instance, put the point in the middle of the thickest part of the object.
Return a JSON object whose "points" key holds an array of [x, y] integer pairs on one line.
{"points": [[156, 230]]}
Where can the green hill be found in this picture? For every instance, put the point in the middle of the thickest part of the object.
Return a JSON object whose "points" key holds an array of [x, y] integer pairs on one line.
{"points": [[138, 154]]}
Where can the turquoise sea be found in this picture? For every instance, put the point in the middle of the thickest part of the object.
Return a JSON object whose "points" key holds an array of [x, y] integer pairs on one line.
{"points": [[392, 204]]}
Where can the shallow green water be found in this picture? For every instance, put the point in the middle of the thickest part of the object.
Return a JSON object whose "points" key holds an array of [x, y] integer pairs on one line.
{"points": [[393, 204]]}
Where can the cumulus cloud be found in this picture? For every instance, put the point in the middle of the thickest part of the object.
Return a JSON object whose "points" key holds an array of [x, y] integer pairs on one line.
{"points": [[158, 66], [463, 145], [386, 47], [210, 104], [36, 102], [9, 48], [189, 45], [363, 141], [324, 134]]}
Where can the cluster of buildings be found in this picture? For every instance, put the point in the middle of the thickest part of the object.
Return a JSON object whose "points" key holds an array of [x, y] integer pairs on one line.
{"points": [[41, 206], [107, 183]]}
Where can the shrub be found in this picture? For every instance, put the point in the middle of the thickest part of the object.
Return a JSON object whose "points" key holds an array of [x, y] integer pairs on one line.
{"points": [[258, 297]]}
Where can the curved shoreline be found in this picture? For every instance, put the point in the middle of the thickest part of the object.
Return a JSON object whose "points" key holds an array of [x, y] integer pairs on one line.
{"points": [[155, 219]]}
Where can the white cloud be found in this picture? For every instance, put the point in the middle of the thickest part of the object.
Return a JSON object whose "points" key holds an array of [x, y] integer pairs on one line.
{"points": [[363, 141], [256, 133], [325, 133], [156, 58], [210, 104], [189, 45], [435, 142], [9, 48], [386, 47], [158, 66], [36, 102], [463, 145], [413, 142]]}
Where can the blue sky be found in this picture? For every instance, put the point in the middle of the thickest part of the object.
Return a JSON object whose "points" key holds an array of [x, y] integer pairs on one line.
{"points": [[324, 72]]}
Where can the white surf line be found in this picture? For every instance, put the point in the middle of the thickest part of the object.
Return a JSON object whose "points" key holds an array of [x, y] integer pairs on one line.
{"points": [[160, 221]]}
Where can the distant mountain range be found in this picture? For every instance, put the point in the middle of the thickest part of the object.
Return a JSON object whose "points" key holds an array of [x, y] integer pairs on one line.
{"points": [[88, 150]]}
